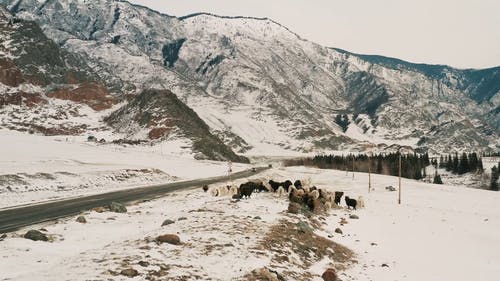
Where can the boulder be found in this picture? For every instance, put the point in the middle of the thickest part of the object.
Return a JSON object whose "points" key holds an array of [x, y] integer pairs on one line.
{"points": [[81, 219], [354, 217], [167, 222], [182, 219], [303, 227], [329, 275], [117, 207], [36, 235], [99, 209], [338, 230], [169, 238]]}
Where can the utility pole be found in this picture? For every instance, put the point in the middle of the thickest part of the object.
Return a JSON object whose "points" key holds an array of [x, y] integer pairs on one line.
{"points": [[353, 166], [399, 197], [369, 173]]}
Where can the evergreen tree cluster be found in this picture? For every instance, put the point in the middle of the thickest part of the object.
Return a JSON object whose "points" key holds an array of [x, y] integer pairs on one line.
{"points": [[412, 165], [460, 165]]}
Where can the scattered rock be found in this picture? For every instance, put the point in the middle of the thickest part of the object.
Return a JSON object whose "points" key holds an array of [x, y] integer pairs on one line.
{"points": [[36, 235], [167, 222], [338, 230], [143, 263], [329, 275], [117, 207], [385, 265], [294, 208], [354, 217], [3, 237], [265, 274], [343, 221], [129, 272], [81, 219], [303, 227], [99, 209], [147, 248], [169, 238], [182, 219], [257, 218], [374, 244]]}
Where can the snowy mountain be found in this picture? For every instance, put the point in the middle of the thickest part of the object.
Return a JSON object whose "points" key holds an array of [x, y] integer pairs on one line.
{"points": [[257, 84]]}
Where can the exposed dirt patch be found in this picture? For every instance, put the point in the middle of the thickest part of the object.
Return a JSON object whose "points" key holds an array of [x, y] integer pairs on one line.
{"points": [[10, 75], [21, 99], [92, 94]]}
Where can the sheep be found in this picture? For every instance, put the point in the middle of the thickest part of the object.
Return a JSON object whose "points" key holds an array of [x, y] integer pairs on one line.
{"points": [[300, 192], [280, 192], [351, 202], [338, 196], [306, 189], [214, 192], [286, 184], [297, 184], [306, 182], [233, 190], [314, 194], [361, 202], [246, 189], [267, 186], [295, 197], [328, 204], [274, 185], [223, 191]]}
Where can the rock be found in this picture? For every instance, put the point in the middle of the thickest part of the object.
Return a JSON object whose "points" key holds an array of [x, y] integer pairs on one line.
{"points": [[143, 263], [167, 222], [3, 237], [257, 218], [99, 209], [303, 227], [169, 238], [338, 230], [294, 208], [182, 219], [129, 272], [36, 235], [385, 265], [266, 274], [81, 219], [329, 275], [343, 221], [117, 207], [354, 217]]}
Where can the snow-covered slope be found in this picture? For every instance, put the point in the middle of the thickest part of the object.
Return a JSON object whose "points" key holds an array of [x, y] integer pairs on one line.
{"points": [[285, 90], [437, 233]]}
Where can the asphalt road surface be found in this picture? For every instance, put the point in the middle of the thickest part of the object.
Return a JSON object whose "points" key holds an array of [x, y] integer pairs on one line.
{"points": [[14, 218]]}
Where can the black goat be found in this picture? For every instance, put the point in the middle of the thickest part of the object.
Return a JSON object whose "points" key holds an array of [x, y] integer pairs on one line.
{"points": [[351, 202], [338, 197]]}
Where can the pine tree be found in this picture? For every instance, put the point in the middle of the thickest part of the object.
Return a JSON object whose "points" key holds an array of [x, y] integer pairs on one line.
{"points": [[494, 178], [463, 166], [437, 179]]}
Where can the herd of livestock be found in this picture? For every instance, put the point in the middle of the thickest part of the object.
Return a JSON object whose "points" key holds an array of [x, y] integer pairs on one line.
{"points": [[299, 192]]}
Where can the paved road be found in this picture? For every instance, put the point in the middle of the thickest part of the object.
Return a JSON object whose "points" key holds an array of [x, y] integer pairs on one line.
{"points": [[14, 218]]}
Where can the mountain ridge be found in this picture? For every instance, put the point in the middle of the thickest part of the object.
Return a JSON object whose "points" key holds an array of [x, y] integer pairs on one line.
{"points": [[286, 90]]}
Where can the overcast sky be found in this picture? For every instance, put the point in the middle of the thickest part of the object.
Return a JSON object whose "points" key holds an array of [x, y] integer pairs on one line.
{"points": [[460, 33]]}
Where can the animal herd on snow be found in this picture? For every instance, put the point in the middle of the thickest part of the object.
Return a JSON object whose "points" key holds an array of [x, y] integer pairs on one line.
{"points": [[301, 191]]}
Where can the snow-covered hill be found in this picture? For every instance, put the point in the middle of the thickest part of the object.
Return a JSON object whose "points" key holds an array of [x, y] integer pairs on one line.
{"points": [[438, 233], [258, 84]]}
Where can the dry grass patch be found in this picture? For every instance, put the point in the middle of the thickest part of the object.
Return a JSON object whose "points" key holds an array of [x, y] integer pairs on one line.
{"points": [[289, 246]]}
